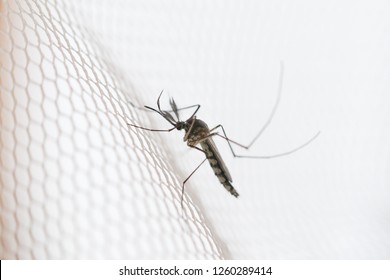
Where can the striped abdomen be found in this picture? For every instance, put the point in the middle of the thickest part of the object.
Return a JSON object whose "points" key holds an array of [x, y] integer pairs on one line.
{"points": [[218, 166]]}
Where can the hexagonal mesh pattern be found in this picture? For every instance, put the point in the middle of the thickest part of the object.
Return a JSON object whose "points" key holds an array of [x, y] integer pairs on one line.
{"points": [[76, 182]]}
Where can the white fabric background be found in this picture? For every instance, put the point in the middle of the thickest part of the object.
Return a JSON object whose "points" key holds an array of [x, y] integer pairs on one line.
{"points": [[328, 201]]}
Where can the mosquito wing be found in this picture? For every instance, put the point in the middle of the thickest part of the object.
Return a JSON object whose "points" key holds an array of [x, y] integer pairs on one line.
{"points": [[213, 148]]}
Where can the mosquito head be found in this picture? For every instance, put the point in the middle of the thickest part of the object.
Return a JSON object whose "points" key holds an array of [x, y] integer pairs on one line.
{"points": [[173, 116], [181, 125]]}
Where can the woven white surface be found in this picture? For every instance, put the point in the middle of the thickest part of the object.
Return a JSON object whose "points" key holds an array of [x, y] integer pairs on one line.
{"points": [[90, 187]]}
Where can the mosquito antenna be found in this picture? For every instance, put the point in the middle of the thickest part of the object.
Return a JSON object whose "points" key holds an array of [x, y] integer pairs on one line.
{"points": [[165, 115], [162, 113], [174, 108], [147, 108], [273, 109], [188, 107]]}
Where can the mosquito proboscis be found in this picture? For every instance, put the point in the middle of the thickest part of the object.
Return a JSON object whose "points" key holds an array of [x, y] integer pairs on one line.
{"points": [[198, 136]]}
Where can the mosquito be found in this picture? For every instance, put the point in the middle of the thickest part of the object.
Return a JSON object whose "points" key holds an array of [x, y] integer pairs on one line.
{"points": [[198, 136]]}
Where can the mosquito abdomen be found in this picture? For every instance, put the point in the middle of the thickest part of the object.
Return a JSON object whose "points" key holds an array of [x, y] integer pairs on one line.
{"points": [[217, 168]]}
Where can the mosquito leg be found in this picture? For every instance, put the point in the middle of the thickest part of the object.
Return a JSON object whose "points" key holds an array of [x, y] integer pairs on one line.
{"points": [[137, 107], [247, 147], [145, 108], [185, 181], [151, 129], [192, 173], [276, 105], [229, 141]]}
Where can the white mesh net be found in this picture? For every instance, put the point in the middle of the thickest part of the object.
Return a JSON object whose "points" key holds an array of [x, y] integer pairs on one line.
{"points": [[77, 182]]}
